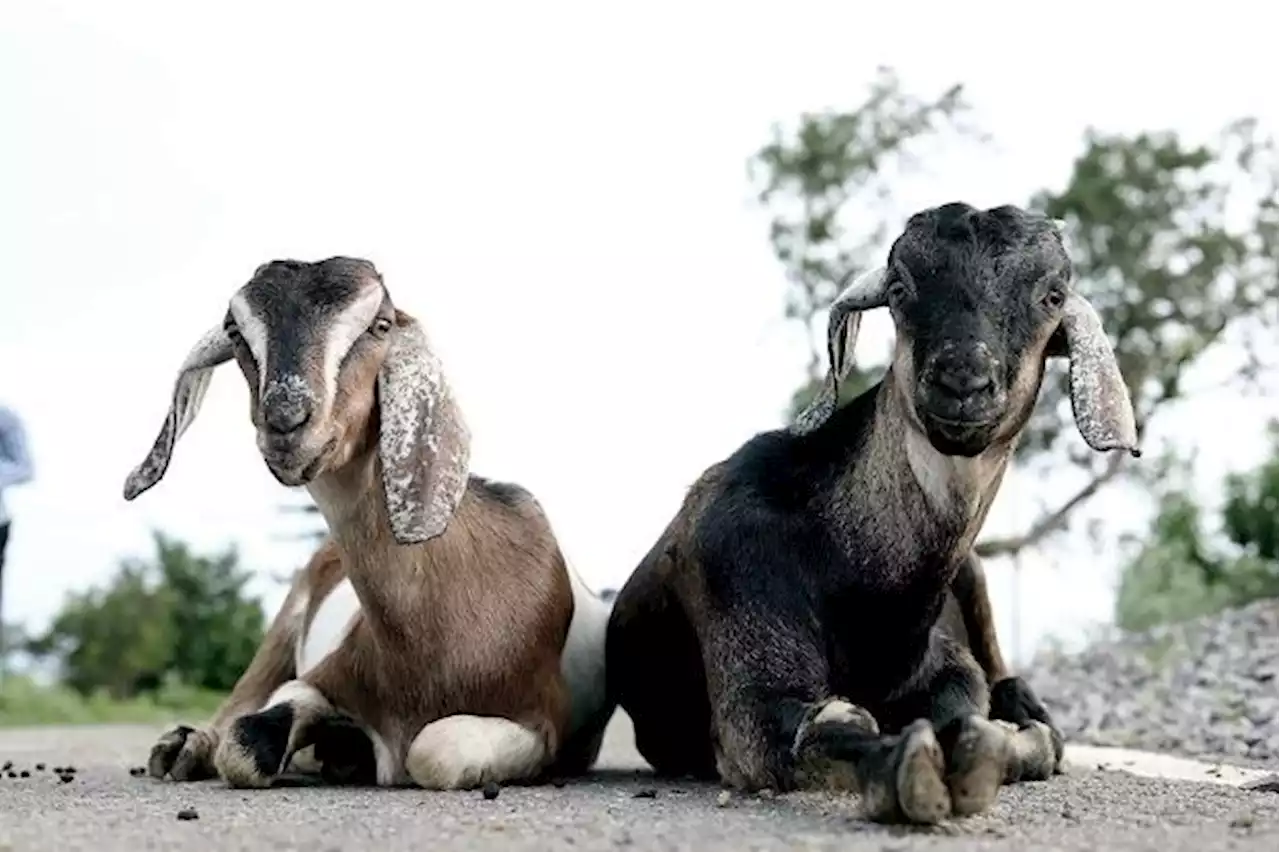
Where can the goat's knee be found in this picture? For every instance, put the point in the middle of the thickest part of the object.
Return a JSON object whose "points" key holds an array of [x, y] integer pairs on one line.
{"points": [[461, 752], [258, 746]]}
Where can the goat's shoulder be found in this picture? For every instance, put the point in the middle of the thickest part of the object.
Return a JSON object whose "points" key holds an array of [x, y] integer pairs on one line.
{"points": [[501, 493], [506, 516]]}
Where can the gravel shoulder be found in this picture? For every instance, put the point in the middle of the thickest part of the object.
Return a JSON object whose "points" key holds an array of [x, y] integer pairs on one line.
{"points": [[105, 808], [1206, 688]]}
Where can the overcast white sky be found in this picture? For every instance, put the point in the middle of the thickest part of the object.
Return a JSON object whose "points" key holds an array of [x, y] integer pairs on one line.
{"points": [[557, 190]]}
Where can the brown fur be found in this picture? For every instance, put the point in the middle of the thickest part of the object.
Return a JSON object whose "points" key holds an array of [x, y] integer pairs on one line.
{"points": [[469, 623]]}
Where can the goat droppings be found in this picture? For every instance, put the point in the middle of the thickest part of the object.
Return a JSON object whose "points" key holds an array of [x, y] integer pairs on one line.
{"points": [[188, 814], [26, 773], [66, 777], [491, 790], [40, 767]]}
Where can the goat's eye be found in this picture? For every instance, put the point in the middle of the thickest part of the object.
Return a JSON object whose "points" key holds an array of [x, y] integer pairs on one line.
{"points": [[233, 333], [1054, 299], [381, 326], [897, 291]]}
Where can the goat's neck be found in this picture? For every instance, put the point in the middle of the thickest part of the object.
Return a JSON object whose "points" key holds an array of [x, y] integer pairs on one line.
{"points": [[955, 491], [352, 503]]}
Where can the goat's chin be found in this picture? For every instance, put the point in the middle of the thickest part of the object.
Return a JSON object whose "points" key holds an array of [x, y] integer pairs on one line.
{"points": [[297, 471], [959, 439]]}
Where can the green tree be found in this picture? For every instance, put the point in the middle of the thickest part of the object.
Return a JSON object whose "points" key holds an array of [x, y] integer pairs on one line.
{"points": [[1175, 244], [179, 615], [1181, 569]]}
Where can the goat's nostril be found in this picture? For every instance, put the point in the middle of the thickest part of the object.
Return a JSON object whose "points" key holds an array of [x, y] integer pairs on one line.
{"points": [[283, 419], [963, 384]]}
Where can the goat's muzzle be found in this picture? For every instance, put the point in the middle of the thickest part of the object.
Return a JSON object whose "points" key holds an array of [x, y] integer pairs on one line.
{"points": [[292, 459], [961, 400]]}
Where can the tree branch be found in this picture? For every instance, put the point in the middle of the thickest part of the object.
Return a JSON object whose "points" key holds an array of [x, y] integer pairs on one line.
{"points": [[1054, 520]]}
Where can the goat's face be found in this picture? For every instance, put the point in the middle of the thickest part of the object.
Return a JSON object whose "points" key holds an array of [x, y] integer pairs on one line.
{"points": [[330, 365], [979, 300], [310, 339], [975, 297]]}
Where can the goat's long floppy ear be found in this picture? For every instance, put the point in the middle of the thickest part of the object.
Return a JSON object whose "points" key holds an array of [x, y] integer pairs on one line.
{"points": [[1099, 397], [212, 349], [425, 444], [843, 321]]}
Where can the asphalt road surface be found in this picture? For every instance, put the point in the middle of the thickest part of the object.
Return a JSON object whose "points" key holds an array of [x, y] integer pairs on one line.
{"points": [[104, 808]]}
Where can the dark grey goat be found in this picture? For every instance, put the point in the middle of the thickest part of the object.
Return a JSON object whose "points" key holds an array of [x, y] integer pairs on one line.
{"points": [[784, 630]]}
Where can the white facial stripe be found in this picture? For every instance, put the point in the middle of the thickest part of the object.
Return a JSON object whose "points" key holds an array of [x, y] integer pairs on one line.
{"points": [[344, 331], [253, 330]]}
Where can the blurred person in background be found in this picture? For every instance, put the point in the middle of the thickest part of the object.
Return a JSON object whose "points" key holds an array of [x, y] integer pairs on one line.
{"points": [[15, 469]]}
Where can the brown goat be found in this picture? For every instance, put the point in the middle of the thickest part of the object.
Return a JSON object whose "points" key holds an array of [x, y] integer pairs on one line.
{"points": [[438, 637]]}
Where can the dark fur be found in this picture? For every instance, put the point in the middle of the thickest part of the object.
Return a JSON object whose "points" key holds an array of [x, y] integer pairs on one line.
{"points": [[812, 567]]}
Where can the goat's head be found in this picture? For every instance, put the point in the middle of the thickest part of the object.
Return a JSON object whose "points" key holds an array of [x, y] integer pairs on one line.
{"points": [[979, 300], [330, 363]]}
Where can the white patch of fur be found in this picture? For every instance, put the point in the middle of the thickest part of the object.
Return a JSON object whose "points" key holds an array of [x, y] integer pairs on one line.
{"points": [[388, 764], [328, 628], [297, 693], [344, 330], [461, 751], [836, 711], [253, 330], [951, 482], [582, 661], [304, 761]]}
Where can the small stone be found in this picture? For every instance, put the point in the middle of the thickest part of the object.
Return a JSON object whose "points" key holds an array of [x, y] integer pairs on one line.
{"points": [[188, 814], [40, 767], [1242, 820], [491, 790], [1270, 784], [646, 793], [722, 800], [766, 792], [1069, 812]]}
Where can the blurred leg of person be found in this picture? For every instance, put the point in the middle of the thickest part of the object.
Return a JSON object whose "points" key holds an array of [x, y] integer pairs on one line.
{"points": [[4, 652]]}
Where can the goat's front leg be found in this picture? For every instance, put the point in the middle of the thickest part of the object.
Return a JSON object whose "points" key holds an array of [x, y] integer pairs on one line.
{"points": [[948, 760], [1012, 699], [185, 753], [258, 748]]}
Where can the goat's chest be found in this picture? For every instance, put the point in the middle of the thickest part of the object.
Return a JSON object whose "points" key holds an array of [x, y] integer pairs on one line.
{"points": [[876, 627]]}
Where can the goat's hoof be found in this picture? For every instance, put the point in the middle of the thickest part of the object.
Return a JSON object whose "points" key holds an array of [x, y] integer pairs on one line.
{"points": [[978, 756], [1037, 752], [1013, 700], [253, 751], [183, 754], [923, 796]]}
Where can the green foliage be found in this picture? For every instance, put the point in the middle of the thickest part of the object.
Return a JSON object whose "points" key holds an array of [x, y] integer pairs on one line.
{"points": [[24, 702], [179, 615], [831, 162], [1159, 254], [1174, 244], [1181, 570]]}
